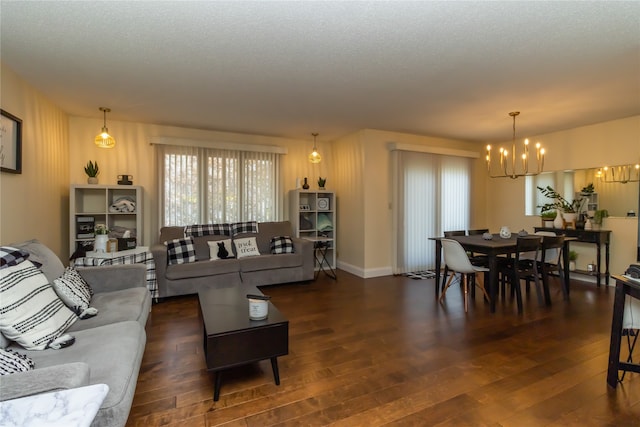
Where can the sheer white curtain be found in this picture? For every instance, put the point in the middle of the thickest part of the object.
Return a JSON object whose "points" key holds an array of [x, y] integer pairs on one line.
{"points": [[431, 195], [201, 185]]}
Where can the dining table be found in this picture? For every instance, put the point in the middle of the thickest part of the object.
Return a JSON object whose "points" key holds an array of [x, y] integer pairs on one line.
{"points": [[493, 248]]}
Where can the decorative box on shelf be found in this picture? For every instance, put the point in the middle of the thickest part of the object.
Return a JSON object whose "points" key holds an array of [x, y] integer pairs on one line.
{"points": [[126, 243]]}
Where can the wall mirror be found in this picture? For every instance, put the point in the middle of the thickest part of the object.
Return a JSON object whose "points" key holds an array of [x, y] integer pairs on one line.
{"points": [[617, 198]]}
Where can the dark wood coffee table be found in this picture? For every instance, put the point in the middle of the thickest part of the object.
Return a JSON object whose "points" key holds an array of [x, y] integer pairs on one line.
{"points": [[232, 339]]}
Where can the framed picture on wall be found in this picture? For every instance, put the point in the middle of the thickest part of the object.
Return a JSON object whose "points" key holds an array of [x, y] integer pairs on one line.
{"points": [[10, 143]]}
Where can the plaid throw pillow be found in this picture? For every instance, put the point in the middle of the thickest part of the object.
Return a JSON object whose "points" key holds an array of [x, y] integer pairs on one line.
{"points": [[244, 227], [10, 256], [207, 230], [181, 251], [11, 362], [282, 245]]}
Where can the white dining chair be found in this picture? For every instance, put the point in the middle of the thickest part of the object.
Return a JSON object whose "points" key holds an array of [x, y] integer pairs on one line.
{"points": [[457, 261]]}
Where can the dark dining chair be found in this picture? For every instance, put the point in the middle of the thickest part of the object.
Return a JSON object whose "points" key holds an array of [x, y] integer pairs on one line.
{"points": [[523, 266], [551, 262], [477, 231]]}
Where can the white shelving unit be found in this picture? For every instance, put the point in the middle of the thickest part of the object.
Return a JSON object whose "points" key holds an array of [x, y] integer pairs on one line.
{"points": [[313, 217], [89, 205], [590, 201]]}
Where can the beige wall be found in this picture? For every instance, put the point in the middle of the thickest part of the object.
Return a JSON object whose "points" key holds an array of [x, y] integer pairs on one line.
{"points": [[134, 155], [35, 203], [365, 225], [610, 143]]}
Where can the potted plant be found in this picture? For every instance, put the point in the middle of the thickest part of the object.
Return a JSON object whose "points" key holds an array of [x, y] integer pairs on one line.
{"points": [[589, 189], [569, 209], [599, 215], [547, 217], [92, 170], [573, 255], [102, 237], [321, 182]]}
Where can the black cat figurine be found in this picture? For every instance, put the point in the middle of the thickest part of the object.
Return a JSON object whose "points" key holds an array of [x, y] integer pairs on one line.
{"points": [[222, 251]]}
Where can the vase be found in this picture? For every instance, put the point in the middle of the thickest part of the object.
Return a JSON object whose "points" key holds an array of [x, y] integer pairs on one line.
{"points": [[570, 218], [305, 185], [558, 222], [588, 225], [505, 233], [100, 244], [92, 180]]}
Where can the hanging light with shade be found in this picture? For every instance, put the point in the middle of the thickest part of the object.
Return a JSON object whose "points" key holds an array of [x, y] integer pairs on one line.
{"points": [[103, 139], [315, 157], [508, 167]]}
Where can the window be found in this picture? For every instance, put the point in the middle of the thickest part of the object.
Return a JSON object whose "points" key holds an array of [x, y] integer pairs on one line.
{"points": [[208, 186]]}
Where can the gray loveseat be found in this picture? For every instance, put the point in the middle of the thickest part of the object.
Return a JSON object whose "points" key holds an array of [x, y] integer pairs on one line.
{"points": [[265, 269], [108, 348]]}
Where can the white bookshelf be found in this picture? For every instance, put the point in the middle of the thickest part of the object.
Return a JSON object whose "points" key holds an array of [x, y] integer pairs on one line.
{"points": [[89, 204], [313, 217]]}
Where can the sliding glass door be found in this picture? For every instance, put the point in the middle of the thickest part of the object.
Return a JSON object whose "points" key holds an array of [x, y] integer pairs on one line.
{"points": [[431, 196]]}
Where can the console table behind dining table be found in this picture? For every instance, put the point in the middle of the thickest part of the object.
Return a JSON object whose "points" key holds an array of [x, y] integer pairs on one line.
{"points": [[492, 249], [598, 238]]}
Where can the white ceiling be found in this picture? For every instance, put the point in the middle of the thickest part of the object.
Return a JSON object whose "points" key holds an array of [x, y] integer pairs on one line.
{"points": [[451, 69]]}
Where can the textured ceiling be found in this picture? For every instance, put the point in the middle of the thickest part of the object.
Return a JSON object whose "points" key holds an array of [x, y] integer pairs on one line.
{"points": [[451, 69]]}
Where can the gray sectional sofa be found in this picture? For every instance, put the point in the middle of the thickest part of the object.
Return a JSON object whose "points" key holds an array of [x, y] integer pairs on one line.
{"points": [[264, 269], [108, 348]]}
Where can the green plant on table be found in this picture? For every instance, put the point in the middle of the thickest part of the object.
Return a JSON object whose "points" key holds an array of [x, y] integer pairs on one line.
{"points": [[92, 170], [321, 182], [548, 214], [599, 215], [573, 255]]}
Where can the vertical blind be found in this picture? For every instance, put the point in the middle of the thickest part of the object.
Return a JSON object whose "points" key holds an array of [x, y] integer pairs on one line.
{"points": [[202, 185], [432, 196]]}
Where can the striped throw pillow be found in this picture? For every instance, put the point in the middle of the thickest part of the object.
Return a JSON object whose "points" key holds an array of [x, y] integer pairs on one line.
{"points": [[30, 311], [11, 362], [75, 292]]}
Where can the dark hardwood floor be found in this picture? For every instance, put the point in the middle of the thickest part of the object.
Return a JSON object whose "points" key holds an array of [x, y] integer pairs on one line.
{"points": [[382, 351]]}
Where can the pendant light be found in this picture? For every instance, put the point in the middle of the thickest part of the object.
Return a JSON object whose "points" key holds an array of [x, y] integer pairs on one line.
{"points": [[315, 157], [103, 139]]}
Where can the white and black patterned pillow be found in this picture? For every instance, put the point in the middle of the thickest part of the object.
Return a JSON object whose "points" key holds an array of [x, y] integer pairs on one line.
{"points": [[214, 249], [12, 362], [181, 251], [10, 256], [30, 311], [246, 247], [199, 230], [244, 227], [282, 245], [75, 292]]}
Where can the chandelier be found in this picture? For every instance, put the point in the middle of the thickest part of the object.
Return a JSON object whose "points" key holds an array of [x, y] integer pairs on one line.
{"points": [[508, 166], [315, 157], [103, 139], [621, 174]]}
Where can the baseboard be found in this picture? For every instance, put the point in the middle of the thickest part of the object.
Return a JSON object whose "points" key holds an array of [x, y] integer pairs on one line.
{"points": [[365, 273]]}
